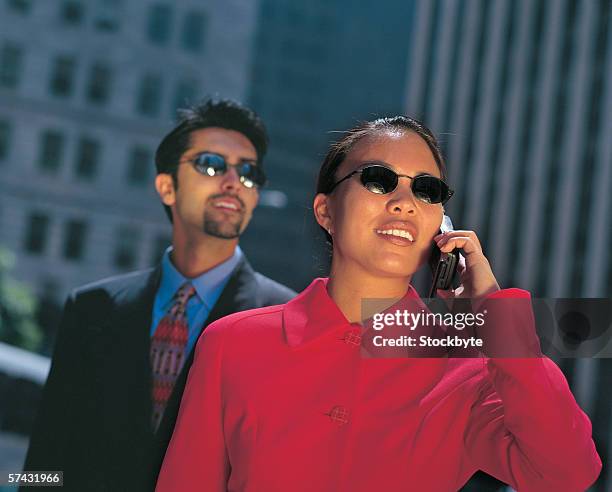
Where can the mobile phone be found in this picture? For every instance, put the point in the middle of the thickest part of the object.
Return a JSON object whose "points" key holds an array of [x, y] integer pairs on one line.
{"points": [[443, 265]]}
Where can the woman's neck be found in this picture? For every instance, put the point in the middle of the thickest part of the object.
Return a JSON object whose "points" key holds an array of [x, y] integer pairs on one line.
{"points": [[349, 286]]}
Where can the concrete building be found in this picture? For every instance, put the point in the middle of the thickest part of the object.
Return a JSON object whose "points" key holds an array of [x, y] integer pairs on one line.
{"points": [[521, 93], [87, 88]]}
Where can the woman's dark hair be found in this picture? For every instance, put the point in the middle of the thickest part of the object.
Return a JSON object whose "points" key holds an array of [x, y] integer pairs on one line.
{"points": [[219, 113], [341, 148]]}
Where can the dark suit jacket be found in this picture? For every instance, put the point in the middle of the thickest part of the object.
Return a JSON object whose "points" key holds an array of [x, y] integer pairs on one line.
{"points": [[94, 422]]}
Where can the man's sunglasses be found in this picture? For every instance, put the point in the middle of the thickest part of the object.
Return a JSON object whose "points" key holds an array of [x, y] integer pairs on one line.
{"points": [[209, 164], [382, 180]]}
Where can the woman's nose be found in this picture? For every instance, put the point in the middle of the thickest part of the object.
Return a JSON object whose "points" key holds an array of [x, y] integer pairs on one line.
{"points": [[402, 200]]}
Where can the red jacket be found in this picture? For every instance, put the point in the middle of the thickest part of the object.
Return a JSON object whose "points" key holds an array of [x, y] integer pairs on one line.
{"points": [[280, 399]]}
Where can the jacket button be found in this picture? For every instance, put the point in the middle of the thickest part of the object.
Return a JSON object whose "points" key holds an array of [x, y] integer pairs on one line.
{"points": [[339, 415], [352, 337]]}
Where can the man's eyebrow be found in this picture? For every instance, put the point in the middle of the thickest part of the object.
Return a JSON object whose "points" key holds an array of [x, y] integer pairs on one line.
{"points": [[205, 151]]}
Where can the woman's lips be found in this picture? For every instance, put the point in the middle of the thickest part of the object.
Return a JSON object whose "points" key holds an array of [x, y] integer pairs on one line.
{"points": [[401, 229], [395, 239]]}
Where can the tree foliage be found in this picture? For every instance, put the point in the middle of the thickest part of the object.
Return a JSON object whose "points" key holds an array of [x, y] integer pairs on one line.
{"points": [[18, 305]]}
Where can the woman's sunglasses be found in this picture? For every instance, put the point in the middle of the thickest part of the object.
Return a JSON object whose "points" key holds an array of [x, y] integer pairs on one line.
{"points": [[382, 180], [209, 164]]}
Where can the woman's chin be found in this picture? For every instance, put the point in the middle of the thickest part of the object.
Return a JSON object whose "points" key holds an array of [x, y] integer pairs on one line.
{"points": [[395, 269]]}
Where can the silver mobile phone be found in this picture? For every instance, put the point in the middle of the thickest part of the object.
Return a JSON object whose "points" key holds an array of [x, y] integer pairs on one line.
{"points": [[443, 265]]}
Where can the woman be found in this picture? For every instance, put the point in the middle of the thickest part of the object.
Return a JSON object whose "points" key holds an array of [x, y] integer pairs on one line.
{"points": [[280, 398]]}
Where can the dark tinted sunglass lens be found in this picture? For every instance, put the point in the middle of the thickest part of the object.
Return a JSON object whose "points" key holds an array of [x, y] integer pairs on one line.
{"points": [[210, 164], [251, 175], [429, 189], [378, 179]]}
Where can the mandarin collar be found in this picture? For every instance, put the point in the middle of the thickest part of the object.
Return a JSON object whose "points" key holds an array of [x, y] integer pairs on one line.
{"points": [[313, 313]]}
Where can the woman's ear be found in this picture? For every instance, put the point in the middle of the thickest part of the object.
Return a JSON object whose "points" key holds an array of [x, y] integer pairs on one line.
{"points": [[321, 209], [164, 185]]}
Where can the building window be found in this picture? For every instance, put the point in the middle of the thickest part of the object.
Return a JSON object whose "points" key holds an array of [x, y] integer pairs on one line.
{"points": [[11, 62], [72, 12], [126, 248], [159, 23], [20, 6], [87, 157], [140, 162], [51, 150], [74, 239], [99, 84], [160, 245], [5, 139], [107, 15], [149, 96], [62, 77], [194, 29], [185, 94], [35, 240]]}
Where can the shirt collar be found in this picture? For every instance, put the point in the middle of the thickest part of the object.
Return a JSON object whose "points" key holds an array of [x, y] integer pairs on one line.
{"points": [[313, 313], [205, 284]]}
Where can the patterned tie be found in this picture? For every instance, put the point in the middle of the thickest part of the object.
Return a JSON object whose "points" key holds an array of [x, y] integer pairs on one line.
{"points": [[168, 351]]}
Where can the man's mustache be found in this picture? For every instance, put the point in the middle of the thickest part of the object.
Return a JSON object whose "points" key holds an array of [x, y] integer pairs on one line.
{"points": [[228, 195]]}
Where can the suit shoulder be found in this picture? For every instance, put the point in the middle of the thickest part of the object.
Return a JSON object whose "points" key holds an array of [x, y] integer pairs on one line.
{"points": [[114, 285], [273, 291], [109, 291]]}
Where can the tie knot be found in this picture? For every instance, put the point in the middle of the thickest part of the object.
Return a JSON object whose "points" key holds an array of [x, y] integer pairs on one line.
{"points": [[183, 295]]}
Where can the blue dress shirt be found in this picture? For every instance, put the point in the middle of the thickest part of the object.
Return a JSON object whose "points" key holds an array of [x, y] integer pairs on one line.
{"points": [[208, 288]]}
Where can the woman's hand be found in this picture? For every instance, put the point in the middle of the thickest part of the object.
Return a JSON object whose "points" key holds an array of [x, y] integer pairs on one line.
{"points": [[477, 279]]}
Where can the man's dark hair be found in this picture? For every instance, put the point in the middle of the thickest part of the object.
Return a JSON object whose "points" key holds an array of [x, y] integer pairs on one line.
{"points": [[341, 148], [219, 113]]}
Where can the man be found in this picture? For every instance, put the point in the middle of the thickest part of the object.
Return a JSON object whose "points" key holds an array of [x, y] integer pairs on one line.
{"points": [[125, 344]]}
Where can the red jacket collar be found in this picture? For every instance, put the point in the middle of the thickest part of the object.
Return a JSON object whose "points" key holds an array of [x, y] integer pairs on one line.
{"points": [[313, 313]]}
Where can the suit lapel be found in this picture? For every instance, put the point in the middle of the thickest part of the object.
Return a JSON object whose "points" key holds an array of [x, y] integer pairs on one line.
{"points": [[239, 293], [127, 371]]}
